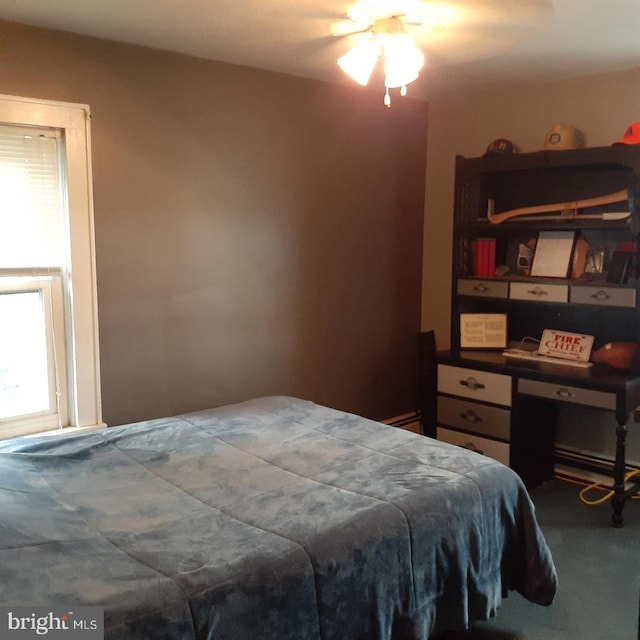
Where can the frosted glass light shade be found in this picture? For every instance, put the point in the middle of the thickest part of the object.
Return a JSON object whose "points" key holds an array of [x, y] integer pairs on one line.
{"points": [[402, 60], [358, 63]]}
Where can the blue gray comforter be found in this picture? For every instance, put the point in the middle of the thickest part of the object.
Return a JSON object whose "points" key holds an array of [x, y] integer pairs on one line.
{"points": [[273, 519]]}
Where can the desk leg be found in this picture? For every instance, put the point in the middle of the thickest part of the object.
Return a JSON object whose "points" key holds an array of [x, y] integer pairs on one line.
{"points": [[619, 496]]}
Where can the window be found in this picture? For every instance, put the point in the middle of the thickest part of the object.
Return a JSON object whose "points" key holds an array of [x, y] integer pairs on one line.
{"points": [[49, 367]]}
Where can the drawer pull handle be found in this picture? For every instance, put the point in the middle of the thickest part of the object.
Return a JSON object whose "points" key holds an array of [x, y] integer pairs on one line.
{"points": [[601, 295], [537, 291], [470, 416], [472, 447], [481, 288], [564, 393], [472, 383]]}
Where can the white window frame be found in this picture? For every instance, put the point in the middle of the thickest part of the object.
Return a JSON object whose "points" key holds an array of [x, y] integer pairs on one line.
{"points": [[50, 289], [82, 346]]}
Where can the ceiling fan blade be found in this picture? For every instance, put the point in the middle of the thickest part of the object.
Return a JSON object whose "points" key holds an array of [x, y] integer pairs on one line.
{"points": [[348, 27], [414, 11]]}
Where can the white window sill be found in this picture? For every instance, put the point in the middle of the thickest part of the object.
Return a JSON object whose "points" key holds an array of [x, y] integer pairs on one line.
{"points": [[65, 431]]}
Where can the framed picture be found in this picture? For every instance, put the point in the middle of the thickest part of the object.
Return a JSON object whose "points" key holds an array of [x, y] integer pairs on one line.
{"points": [[553, 254], [483, 330]]}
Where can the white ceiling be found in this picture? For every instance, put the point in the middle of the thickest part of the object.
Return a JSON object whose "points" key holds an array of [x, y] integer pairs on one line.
{"points": [[499, 40]]}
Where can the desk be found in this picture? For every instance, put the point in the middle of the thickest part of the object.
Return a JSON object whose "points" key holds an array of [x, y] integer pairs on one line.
{"points": [[535, 389]]}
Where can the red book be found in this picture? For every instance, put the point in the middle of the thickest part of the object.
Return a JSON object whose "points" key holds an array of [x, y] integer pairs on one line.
{"points": [[491, 258], [486, 256]]}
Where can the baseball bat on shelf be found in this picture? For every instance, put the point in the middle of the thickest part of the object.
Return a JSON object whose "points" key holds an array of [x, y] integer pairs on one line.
{"points": [[562, 207]]}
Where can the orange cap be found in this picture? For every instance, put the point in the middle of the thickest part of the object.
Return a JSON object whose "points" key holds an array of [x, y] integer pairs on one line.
{"points": [[631, 135]]}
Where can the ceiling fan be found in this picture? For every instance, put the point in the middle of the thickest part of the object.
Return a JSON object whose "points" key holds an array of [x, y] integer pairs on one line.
{"points": [[363, 14], [399, 32]]}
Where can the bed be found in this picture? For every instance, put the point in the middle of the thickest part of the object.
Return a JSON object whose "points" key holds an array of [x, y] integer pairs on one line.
{"points": [[271, 519]]}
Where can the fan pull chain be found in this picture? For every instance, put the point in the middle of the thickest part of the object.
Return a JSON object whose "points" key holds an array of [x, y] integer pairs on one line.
{"points": [[387, 97]]}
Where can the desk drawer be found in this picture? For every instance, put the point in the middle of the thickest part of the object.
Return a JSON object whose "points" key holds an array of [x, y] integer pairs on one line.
{"points": [[539, 292], [588, 397], [471, 416], [604, 296], [497, 450], [475, 384], [484, 288]]}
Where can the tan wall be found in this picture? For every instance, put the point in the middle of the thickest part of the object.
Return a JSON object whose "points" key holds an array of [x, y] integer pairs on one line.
{"points": [[256, 233], [599, 106]]}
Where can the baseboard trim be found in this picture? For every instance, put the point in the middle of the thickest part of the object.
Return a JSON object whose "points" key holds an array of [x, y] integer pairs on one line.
{"points": [[409, 421], [587, 466]]}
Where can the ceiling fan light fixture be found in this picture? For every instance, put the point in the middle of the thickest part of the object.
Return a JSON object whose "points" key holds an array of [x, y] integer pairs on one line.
{"points": [[359, 62], [388, 40], [402, 60]]}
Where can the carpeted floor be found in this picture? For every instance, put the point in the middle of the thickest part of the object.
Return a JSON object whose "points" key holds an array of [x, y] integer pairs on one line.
{"points": [[598, 573]]}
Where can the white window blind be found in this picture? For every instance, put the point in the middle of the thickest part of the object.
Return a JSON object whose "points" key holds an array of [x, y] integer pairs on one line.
{"points": [[32, 224]]}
